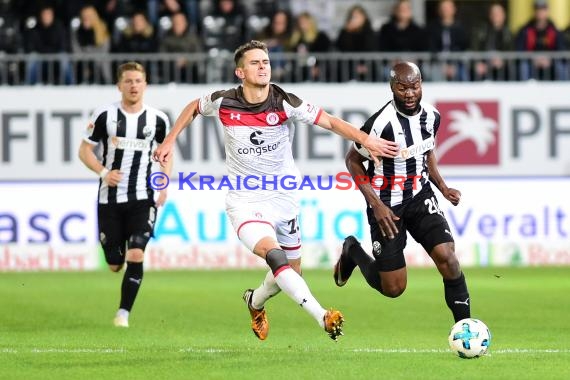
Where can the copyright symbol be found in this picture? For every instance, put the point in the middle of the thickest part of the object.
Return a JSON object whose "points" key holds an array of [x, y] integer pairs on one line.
{"points": [[158, 181]]}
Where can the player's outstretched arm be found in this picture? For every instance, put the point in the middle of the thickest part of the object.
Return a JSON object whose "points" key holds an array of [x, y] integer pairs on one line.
{"points": [[377, 147], [435, 177], [383, 214], [166, 169], [164, 152]]}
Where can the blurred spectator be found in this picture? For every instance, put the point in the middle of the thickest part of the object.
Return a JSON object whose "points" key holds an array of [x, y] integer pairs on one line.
{"points": [[323, 11], [66, 11], [180, 39], [277, 36], [356, 36], [48, 36], [566, 34], [402, 33], [540, 34], [161, 8], [224, 28], [10, 36], [448, 35], [267, 8], [492, 36], [307, 39], [10, 43], [91, 36], [138, 37]]}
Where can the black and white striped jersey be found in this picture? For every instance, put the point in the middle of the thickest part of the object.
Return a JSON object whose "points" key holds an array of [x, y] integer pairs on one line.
{"points": [[128, 140], [397, 180]]}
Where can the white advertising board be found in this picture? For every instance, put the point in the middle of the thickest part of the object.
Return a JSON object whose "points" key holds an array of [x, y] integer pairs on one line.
{"points": [[52, 226], [487, 129]]}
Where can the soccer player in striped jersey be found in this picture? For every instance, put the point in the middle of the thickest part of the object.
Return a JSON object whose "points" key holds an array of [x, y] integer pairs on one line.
{"points": [[257, 143], [128, 131], [400, 198]]}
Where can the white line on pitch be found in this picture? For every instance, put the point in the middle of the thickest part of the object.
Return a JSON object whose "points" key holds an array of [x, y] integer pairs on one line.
{"points": [[208, 350], [64, 351], [440, 351]]}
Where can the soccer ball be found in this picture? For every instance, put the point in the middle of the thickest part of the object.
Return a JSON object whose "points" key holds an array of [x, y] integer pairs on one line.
{"points": [[469, 338]]}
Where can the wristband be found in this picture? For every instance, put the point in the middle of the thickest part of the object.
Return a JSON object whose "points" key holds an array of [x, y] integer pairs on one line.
{"points": [[103, 173]]}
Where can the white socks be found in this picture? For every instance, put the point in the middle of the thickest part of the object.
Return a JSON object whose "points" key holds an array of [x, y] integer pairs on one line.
{"points": [[296, 288], [266, 290], [123, 313]]}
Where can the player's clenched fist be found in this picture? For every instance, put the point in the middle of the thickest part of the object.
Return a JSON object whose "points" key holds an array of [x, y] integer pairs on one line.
{"points": [[163, 153]]}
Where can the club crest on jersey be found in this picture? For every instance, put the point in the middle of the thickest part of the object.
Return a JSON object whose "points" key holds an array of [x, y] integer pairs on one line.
{"points": [[272, 118], [147, 131], [419, 148]]}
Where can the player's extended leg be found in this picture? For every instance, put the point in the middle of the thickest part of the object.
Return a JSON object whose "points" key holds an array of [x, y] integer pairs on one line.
{"points": [[256, 299], [386, 273], [111, 236], [288, 236], [296, 288], [456, 293], [428, 226], [269, 287], [132, 280], [140, 225]]}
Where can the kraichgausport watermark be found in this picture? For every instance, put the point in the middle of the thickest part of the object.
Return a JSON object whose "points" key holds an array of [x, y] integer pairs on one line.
{"points": [[339, 181]]}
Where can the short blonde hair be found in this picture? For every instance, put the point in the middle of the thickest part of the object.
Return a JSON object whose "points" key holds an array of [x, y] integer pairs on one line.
{"points": [[130, 66]]}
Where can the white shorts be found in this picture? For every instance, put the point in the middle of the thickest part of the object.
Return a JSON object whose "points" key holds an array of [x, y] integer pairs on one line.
{"points": [[275, 217]]}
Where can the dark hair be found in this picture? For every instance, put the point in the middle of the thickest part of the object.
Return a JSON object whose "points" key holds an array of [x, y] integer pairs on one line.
{"points": [[130, 66], [251, 45]]}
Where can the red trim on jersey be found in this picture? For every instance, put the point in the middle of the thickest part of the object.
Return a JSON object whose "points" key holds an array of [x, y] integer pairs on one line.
{"points": [[290, 248], [234, 118], [252, 221], [318, 116], [281, 270]]}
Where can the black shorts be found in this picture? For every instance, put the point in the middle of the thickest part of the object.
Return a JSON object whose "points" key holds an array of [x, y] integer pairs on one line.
{"points": [[422, 218], [118, 222]]}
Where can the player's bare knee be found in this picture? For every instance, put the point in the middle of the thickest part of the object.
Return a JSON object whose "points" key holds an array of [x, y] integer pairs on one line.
{"points": [[296, 265], [135, 255], [446, 261], [393, 290], [449, 266], [264, 246], [115, 268]]}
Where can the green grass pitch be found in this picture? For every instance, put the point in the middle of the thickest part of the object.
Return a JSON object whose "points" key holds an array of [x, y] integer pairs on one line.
{"points": [[194, 325]]}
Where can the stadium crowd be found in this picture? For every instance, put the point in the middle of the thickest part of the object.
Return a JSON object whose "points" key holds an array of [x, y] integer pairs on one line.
{"points": [[186, 32]]}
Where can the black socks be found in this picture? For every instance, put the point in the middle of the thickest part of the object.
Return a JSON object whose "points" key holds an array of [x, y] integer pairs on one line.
{"points": [[131, 283], [457, 297]]}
